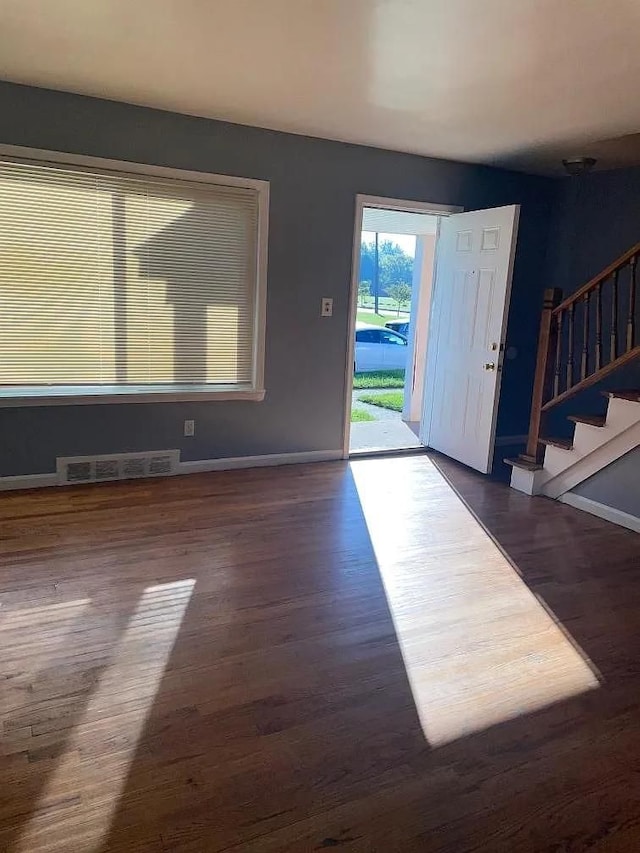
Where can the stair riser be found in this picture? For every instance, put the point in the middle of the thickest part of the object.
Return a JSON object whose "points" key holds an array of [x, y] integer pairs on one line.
{"points": [[528, 482], [587, 438], [557, 460], [621, 413]]}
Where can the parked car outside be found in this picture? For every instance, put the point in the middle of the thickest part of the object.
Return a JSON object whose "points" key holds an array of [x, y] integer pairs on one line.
{"points": [[401, 326], [379, 348]]}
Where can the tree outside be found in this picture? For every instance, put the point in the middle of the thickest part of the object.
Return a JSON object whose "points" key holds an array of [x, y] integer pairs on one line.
{"points": [[394, 265], [400, 293], [364, 291]]}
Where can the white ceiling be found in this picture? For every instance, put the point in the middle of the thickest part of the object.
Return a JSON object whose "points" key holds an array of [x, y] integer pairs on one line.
{"points": [[475, 80]]}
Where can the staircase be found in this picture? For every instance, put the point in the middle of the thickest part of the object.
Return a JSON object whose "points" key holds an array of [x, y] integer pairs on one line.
{"points": [[583, 340], [597, 441]]}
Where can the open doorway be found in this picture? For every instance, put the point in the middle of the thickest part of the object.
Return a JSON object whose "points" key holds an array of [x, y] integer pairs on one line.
{"points": [[457, 319], [394, 256]]}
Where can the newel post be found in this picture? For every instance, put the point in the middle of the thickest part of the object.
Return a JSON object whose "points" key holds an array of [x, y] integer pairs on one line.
{"points": [[544, 369]]}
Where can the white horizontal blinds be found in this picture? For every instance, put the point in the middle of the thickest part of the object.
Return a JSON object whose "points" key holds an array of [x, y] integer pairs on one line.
{"points": [[51, 307], [109, 279]]}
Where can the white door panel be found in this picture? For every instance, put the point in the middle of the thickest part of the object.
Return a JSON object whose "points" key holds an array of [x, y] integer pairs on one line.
{"points": [[472, 287]]}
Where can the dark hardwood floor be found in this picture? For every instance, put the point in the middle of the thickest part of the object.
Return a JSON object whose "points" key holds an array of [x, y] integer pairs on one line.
{"points": [[316, 657]]}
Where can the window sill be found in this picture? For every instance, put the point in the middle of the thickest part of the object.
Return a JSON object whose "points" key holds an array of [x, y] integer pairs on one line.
{"points": [[13, 397]]}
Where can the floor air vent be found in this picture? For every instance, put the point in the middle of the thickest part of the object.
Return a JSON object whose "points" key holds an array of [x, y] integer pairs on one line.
{"points": [[118, 466]]}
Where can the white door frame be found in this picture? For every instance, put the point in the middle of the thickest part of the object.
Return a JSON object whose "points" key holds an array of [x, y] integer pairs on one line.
{"points": [[423, 270], [363, 201]]}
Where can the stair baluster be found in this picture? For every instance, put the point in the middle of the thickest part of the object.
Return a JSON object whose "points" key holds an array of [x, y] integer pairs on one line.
{"points": [[631, 316], [613, 354], [584, 365], [598, 357], [571, 317], [558, 362]]}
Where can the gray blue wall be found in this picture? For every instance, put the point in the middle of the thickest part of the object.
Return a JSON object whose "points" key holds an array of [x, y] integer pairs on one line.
{"points": [[617, 485], [313, 189], [595, 219]]}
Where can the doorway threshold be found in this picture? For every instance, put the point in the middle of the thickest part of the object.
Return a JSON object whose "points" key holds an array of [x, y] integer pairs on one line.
{"points": [[382, 435], [397, 451]]}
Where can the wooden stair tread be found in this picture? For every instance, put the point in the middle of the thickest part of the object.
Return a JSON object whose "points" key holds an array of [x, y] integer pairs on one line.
{"points": [[522, 463], [624, 394], [563, 443], [591, 420]]}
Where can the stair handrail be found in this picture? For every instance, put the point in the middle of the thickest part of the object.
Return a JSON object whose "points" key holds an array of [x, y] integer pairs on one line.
{"points": [[606, 273]]}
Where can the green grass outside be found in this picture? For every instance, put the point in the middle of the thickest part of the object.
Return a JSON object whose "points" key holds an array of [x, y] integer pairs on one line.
{"points": [[372, 319], [379, 379], [392, 400], [361, 415]]}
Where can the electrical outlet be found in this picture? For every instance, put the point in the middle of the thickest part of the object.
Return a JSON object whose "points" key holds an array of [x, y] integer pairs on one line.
{"points": [[326, 309], [189, 428]]}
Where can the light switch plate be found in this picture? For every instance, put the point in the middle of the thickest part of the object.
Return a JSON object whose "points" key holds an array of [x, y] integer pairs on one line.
{"points": [[326, 309]]}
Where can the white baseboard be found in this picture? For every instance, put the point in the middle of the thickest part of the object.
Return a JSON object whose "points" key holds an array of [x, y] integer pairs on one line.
{"points": [[38, 481], [508, 440], [28, 481], [202, 465], [608, 513]]}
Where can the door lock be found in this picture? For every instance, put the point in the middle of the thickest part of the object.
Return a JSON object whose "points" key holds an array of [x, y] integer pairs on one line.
{"points": [[490, 365]]}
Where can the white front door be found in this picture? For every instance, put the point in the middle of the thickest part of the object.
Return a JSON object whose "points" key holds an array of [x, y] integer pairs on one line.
{"points": [[472, 286]]}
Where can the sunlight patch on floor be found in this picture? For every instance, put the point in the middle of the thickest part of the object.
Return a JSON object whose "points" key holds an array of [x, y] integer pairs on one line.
{"points": [[478, 646], [111, 732], [54, 620], [55, 612]]}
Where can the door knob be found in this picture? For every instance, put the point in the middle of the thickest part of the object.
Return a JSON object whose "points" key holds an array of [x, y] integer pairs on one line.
{"points": [[490, 365]]}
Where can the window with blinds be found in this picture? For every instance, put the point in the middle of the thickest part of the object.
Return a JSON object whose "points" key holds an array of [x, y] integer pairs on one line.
{"points": [[110, 279]]}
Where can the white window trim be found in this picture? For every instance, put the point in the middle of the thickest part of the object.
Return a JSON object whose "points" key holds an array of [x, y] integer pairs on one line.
{"points": [[97, 394]]}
